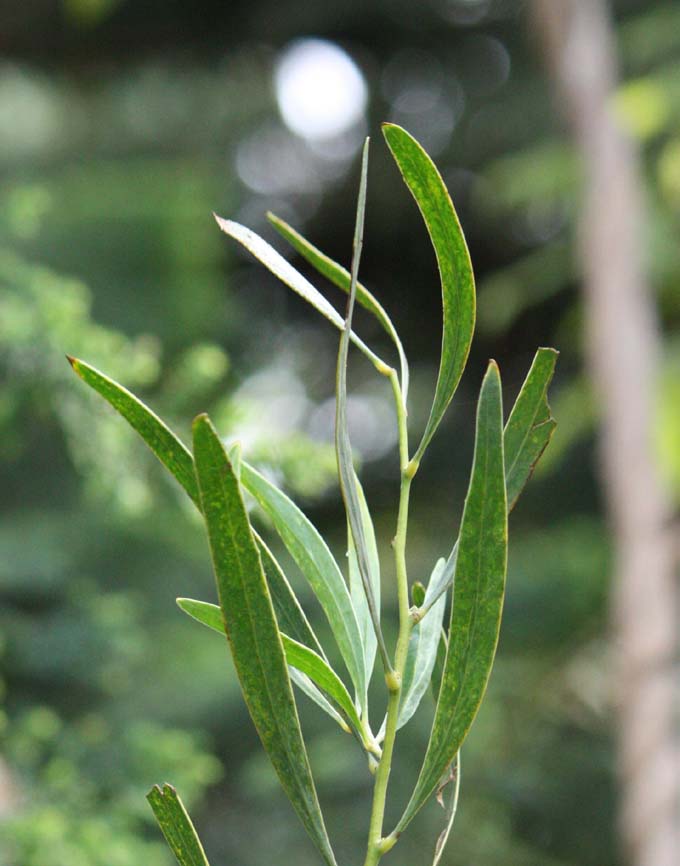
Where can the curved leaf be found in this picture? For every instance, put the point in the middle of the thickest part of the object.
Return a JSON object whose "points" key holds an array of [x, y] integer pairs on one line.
{"points": [[176, 826], [282, 269], [478, 599], [252, 630], [317, 564], [341, 278], [453, 259]]}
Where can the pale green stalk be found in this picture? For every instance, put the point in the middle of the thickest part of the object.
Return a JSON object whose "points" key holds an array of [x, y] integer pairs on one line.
{"points": [[377, 845]]}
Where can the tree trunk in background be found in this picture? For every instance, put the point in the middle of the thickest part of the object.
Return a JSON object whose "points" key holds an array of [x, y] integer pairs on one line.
{"points": [[622, 344]]}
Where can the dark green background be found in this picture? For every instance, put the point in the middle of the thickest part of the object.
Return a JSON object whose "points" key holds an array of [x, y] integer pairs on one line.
{"points": [[122, 127]]}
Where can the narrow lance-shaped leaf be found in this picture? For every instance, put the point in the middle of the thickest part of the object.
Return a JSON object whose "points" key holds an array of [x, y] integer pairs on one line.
{"points": [[478, 599], [529, 426], [323, 675], [455, 268], [525, 438], [343, 448], [282, 269], [169, 449], [341, 278], [318, 566], [356, 586], [422, 654], [298, 656], [252, 630], [178, 460], [176, 826]]}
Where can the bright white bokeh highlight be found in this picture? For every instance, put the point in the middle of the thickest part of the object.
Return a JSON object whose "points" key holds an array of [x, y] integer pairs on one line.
{"points": [[320, 90]]}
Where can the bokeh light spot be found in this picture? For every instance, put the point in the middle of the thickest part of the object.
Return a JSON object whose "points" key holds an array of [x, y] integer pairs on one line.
{"points": [[320, 90]]}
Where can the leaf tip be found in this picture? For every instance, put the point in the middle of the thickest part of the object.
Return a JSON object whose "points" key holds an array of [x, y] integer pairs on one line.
{"points": [[222, 223], [201, 419], [493, 369], [75, 363], [161, 791]]}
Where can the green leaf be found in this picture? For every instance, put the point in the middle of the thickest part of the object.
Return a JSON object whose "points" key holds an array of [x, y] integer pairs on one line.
{"points": [[176, 826], [323, 676], [172, 453], [252, 630], [356, 587], [289, 615], [313, 667], [478, 599], [343, 448], [341, 278], [529, 426], [525, 438], [307, 687], [453, 259], [318, 566], [204, 612], [282, 269], [422, 653]]}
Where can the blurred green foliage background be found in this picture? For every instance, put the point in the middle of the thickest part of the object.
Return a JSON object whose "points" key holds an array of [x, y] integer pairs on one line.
{"points": [[122, 127]]}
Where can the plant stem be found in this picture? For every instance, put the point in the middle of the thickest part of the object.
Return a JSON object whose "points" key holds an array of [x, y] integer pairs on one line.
{"points": [[377, 846]]}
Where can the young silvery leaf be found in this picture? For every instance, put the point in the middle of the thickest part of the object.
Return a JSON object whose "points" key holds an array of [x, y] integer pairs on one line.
{"points": [[176, 826], [422, 653], [252, 630], [282, 269], [341, 278], [453, 260], [356, 515], [478, 599]]}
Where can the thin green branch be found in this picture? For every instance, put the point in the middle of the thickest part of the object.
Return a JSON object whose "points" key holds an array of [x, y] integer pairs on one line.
{"points": [[377, 845]]}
